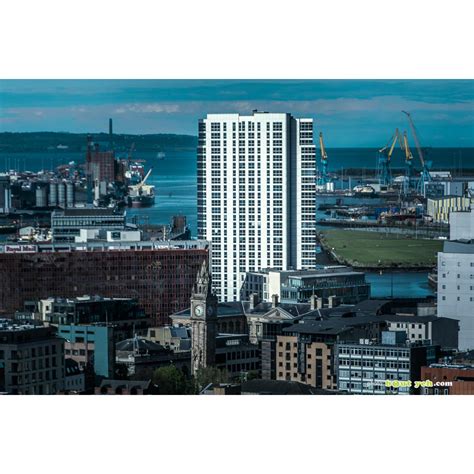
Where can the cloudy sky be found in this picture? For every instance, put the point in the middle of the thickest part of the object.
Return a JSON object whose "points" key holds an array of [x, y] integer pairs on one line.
{"points": [[349, 112]]}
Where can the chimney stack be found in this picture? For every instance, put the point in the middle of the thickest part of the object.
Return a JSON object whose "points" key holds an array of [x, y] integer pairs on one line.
{"points": [[332, 301], [254, 300], [319, 303], [313, 302], [274, 301]]}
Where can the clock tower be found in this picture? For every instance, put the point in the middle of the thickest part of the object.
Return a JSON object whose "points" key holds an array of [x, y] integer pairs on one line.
{"points": [[203, 321]]}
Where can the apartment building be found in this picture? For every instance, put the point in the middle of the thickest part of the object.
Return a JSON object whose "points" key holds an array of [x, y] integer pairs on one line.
{"points": [[256, 195]]}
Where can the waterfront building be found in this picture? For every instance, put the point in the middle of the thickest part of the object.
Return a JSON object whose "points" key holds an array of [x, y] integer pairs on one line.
{"points": [[66, 224], [160, 275], [100, 165], [448, 379], [456, 287], [5, 194], [365, 367], [31, 359], [338, 283], [439, 209], [256, 195], [461, 225]]}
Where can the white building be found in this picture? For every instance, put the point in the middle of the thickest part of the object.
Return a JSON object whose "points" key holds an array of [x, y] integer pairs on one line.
{"points": [[461, 225], [456, 288], [256, 195]]}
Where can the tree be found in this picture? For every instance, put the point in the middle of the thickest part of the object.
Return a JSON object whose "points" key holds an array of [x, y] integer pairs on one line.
{"points": [[170, 381], [207, 375]]}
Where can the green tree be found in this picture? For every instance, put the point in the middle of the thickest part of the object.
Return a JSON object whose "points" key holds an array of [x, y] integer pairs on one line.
{"points": [[170, 381], [208, 375]]}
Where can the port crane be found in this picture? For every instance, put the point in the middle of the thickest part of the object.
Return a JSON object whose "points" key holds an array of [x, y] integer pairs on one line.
{"points": [[408, 162], [385, 154], [425, 175], [323, 178]]}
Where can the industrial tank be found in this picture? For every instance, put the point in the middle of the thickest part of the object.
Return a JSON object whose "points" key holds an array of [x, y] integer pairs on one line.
{"points": [[53, 194], [61, 195]]}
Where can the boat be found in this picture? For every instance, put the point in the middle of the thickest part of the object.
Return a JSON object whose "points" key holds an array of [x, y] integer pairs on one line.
{"points": [[161, 155], [141, 194]]}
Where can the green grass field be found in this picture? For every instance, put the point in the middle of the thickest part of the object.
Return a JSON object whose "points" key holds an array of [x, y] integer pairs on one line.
{"points": [[372, 249]]}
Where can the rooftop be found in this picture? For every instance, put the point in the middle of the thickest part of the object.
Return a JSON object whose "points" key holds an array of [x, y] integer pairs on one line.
{"points": [[88, 211]]}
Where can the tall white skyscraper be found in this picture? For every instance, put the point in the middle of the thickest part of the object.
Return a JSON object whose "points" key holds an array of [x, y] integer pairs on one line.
{"points": [[256, 195]]}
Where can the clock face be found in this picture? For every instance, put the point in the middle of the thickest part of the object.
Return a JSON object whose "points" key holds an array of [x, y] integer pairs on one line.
{"points": [[198, 310], [210, 311]]}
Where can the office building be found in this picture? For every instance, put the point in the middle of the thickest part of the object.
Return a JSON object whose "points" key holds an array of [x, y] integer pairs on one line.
{"points": [[91, 346], [456, 288], [100, 164], [338, 284], [368, 367], [160, 275], [124, 314], [256, 195], [31, 359], [66, 224]]}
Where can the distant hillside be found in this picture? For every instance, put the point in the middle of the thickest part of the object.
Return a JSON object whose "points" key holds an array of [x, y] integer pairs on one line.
{"points": [[46, 141]]}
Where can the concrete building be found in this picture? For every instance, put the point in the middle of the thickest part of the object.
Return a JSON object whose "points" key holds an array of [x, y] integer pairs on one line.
{"points": [[124, 314], [440, 331], [448, 379], [456, 288], [91, 346], [461, 225], [256, 195], [367, 367], [5, 194], [66, 224], [74, 377], [160, 275], [333, 285], [177, 339], [31, 359], [439, 209]]}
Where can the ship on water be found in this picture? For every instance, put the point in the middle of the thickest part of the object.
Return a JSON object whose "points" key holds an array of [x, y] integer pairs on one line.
{"points": [[141, 194]]}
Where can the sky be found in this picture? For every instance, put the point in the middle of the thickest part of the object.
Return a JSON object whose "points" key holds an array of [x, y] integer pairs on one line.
{"points": [[350, 113]]}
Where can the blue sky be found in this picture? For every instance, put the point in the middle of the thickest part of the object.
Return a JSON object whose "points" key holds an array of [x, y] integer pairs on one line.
{"points": [[349, 112]]}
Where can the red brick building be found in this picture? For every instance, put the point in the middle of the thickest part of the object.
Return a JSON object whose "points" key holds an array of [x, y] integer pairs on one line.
{"points": [[159, 274], [448, 379]]}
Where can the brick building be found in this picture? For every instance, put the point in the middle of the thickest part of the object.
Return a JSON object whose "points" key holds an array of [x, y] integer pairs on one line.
{"points": [[160, 275], [448, 379]]}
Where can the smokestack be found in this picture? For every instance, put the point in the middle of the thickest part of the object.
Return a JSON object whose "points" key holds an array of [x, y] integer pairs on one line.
{"points": [[274, 301], [253, 301], [111, 132]]}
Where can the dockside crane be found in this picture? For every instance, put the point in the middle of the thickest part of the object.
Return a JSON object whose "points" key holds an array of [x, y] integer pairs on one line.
{"points": [[385, 154], [323, 175], [425, 175], [408, 162]]}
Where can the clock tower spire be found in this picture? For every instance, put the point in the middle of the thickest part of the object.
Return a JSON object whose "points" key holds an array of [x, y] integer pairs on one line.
{"points": [[203, 321]]}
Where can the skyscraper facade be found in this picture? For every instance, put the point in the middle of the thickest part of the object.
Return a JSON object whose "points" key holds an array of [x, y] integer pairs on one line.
{"points": [[256, 195]]}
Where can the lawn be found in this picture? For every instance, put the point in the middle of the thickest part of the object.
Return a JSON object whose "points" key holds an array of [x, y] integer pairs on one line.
{"points": [[359, 248]]}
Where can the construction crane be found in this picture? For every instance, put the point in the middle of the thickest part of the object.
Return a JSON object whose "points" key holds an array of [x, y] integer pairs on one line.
{"points": [[385, 153], [408, 161], [425, 175], [323, 176]]}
